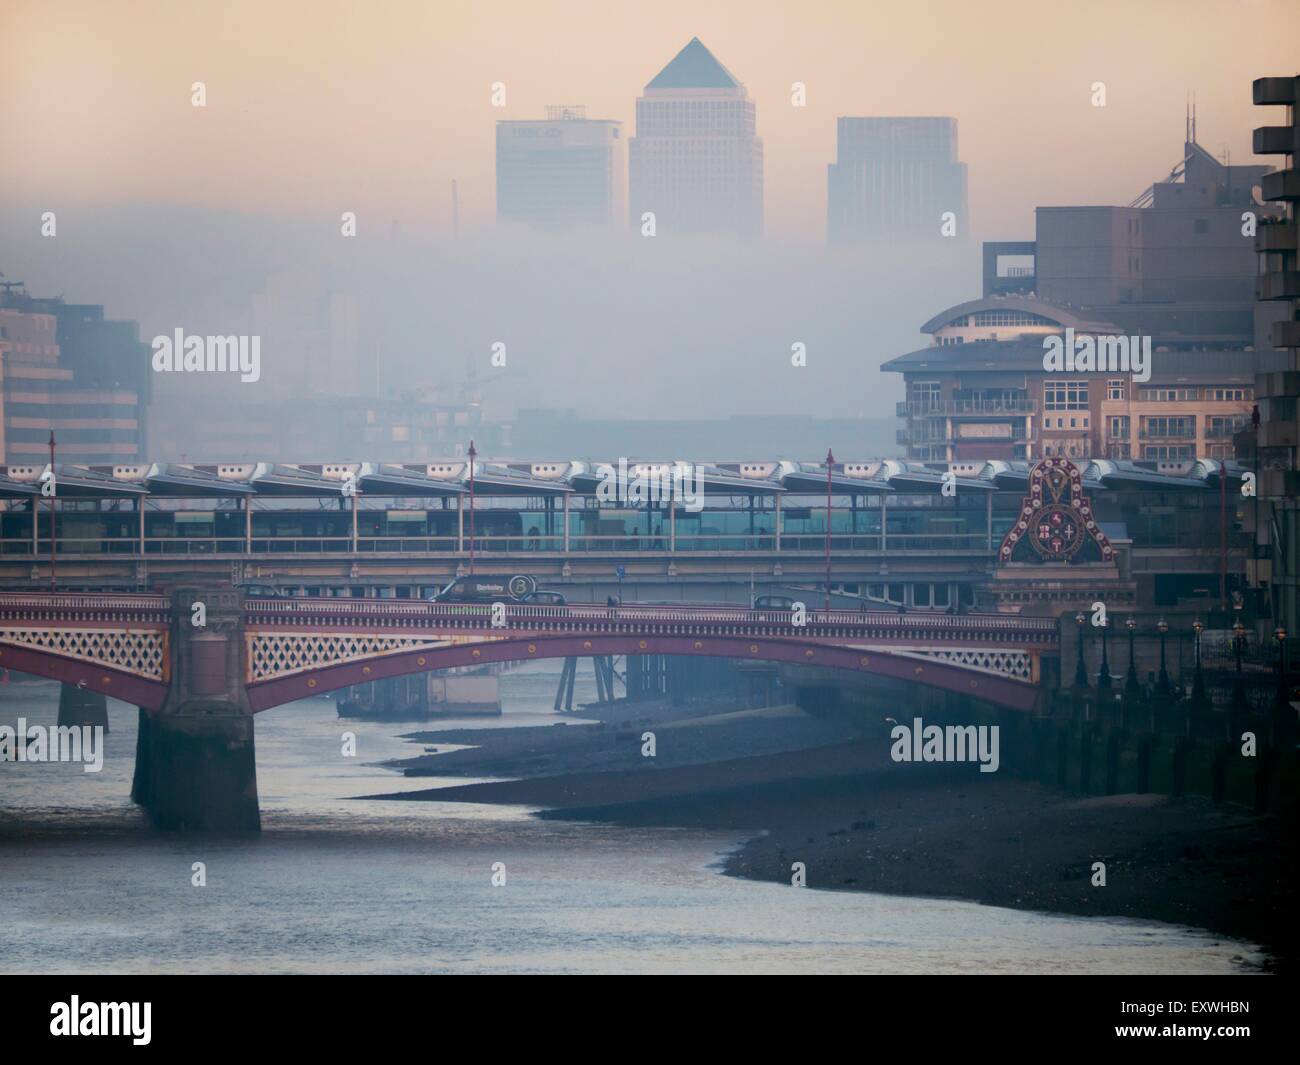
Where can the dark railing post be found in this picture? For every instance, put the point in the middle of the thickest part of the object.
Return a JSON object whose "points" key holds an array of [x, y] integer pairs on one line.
{"points": [[1198, 677], [1080, 667], [1240, 704], [1282, 713], [54, 536], [472, 453], [1131, 681], [1163, 688], [830, 462], [1103, 677]]}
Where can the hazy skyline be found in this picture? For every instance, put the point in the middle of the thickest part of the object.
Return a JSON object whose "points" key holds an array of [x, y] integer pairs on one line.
{"points": [[177, 216], [316, 108]]}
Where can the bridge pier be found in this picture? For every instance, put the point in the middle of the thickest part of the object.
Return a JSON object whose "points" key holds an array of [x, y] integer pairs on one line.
{"points": [[195, 767], [81, 706], [197, 772]]}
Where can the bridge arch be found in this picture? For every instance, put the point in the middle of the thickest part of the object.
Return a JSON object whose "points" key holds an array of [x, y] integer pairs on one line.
{"points": [[934, 673], [149, 694]]}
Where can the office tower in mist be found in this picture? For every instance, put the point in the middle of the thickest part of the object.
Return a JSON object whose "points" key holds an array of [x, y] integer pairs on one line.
{"points": [[562, 171], [696, 160], [894, 178]]}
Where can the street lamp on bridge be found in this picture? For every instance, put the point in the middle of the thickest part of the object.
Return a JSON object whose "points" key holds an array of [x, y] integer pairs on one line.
{"points": [[1131, 681], [472, 453], [1103, 677], [1198, 678], [1239, 703], [830, 463], [54, 489], [1080, 668], [1282, 715], [1162, 683]]}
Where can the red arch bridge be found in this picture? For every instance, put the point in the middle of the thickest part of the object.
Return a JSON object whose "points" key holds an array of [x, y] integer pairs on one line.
{"points": [[200, 662]]}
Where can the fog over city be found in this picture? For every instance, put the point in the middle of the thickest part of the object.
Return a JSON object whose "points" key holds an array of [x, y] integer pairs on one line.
{"points": [[186, 217], [649, 487], [602, 324]]}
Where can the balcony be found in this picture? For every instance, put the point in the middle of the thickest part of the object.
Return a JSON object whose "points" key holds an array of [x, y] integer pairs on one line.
{"points": [[1176, 435], [1286, 334], [1276, 237], [1280, 185], [1274, 140], [1266, 91], [976, 407], [1224, 432], [1281, 285]]}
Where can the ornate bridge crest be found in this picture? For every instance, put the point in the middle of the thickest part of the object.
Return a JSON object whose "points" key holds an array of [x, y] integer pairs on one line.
{"points": [[1056, 522]]}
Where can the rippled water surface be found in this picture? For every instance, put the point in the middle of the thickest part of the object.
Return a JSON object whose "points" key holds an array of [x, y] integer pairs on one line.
{"points": [[337, 884]]}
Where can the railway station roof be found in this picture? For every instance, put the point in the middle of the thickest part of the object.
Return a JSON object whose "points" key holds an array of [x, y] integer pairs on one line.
{"points": [[13, 489], [586, 476], [387, 479], [1112, 473], [918, 477], [810, 477], [450, 478], [90, 482], [174, 479]]}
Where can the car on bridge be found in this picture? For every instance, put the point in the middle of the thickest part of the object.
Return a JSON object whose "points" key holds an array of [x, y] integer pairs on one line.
{"points": [[517, 589], [774, 602], [262, 591], [543, 597]]}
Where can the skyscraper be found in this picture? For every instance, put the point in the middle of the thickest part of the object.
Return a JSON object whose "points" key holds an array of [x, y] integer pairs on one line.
{"points": [[894, 178], [696, 161], [561, 171]]}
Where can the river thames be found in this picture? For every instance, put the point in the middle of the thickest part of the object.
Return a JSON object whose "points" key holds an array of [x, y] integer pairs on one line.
{"points": [[334, 884]]}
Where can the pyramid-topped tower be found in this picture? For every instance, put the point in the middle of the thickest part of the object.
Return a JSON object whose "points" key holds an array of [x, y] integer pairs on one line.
{"points": [[696, 161], [694, 67]]}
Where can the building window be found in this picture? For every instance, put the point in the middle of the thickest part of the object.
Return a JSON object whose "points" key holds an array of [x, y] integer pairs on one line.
{"points": [[1168, 395], [1229, 395], [1220, 426], [1168, 428], [1004, 317], [1117, 427], [1115, 388], [1065, 395], [1169, 453], [926, 396]]}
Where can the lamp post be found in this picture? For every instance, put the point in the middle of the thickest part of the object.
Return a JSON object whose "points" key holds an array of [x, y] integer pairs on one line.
{"points": [[1131, 681], [1280, 635], [1162, 682], [1103, 677], [54, 491], [1198, 678], [472, 454], [830, 462], [1080, 669], [1239, 703]]}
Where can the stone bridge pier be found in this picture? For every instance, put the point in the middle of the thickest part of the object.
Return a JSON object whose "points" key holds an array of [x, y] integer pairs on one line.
{"points": [[195, 766]]}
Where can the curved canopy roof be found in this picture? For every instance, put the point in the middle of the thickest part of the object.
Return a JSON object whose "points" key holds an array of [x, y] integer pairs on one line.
{"points": [[1062, 316]]}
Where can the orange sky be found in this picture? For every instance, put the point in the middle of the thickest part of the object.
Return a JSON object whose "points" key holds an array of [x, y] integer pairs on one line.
{"points": [[375, 107]]}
